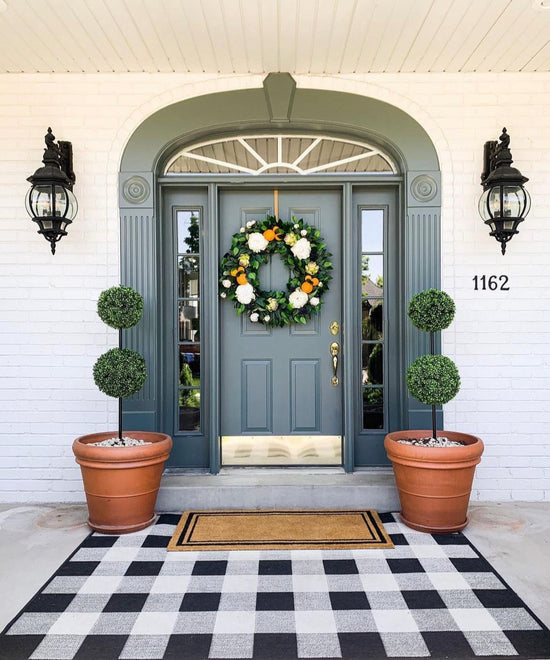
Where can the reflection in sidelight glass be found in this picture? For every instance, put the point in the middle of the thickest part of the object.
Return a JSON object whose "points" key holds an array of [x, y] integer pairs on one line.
{"points": [[189, 281], [372, 317], [188, 232], [372, 274], [373, 408], [372, 372], [188, 319], [190, 365], [372, 320]]}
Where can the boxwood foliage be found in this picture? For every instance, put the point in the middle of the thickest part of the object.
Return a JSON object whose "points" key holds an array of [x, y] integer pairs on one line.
{"points": [[433, 379], [120, 372], [431, 310], [120, 307]]}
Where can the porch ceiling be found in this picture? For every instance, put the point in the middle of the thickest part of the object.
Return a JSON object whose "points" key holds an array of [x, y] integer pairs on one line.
{"points": [[259, 36]]}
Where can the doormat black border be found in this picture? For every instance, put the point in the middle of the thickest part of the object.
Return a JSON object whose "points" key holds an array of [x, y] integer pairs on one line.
{"points": [[182, 540]]}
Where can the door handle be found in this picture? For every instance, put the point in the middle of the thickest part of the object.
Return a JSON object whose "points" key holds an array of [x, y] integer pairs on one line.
{"points": [[334, 350]]}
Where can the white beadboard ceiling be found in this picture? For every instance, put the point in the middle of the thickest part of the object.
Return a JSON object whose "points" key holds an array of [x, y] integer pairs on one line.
{"points": [[260, 36]]}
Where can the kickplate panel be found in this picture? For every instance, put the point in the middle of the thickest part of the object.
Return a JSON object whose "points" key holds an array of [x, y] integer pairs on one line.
{"points": [[281, 450]]}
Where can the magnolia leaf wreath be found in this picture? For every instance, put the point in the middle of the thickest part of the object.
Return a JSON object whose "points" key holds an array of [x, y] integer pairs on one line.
{"points": [[303, 252]]}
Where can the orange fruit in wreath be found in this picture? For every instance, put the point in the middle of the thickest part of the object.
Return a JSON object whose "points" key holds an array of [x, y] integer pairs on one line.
{"points": [[307, 287], [315, 281], [241, 279], [269, 234]]}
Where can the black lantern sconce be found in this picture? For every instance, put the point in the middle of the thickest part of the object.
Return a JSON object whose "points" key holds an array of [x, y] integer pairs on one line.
{"points": [[505, 202], [50, 201]]}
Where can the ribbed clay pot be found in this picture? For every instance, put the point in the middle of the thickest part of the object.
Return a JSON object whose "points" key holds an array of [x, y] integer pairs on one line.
{"points": [[121, 483], [434, 483]]}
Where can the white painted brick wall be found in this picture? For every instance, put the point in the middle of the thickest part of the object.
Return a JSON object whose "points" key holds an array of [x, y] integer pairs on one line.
{"points": [[50, 335]]}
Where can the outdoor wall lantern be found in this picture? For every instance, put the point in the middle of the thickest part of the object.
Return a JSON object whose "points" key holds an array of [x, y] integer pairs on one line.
{"points": [[50, 201], [504, 202]]}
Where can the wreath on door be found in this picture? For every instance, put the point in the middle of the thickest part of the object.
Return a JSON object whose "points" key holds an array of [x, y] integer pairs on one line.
{"points": [[303, 252]]}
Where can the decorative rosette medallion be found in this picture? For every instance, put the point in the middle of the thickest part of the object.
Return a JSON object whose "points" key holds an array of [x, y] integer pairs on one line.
{"points": [[303, 252]]}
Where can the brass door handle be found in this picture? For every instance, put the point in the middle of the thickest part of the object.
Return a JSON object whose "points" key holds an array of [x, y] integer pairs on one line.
{"points": [[334, 350]]}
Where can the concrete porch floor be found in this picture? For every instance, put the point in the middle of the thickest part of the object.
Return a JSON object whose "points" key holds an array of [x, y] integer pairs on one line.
{"points": [[36, 539]]}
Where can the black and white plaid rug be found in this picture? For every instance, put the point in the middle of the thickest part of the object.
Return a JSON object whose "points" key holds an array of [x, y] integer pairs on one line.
{"points": [[125, 597]]}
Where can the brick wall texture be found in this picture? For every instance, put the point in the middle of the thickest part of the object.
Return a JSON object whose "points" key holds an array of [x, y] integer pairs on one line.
{"points": [[50, 335]]}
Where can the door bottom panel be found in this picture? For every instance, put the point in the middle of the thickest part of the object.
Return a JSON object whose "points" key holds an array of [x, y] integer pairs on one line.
{"points": [[281, 450]]}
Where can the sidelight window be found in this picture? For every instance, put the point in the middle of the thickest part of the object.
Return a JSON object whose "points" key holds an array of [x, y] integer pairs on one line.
{"points": [[372, 317], [188, 321]]}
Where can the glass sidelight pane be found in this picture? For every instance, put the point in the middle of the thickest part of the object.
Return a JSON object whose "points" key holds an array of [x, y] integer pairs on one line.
{"points": [[188, 231], [190, 365], [372, 318], [372, 275], [188, 271], [373, 364], [188, 320], [372, 230], [189, 410], [373, 408]]}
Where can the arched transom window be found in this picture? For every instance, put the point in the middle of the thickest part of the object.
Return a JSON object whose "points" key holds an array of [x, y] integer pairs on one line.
{"points": [[280, 154]]}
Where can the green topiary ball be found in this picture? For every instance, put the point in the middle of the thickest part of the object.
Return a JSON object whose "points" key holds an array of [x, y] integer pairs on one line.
{"points": [[120, 307], [120, 372], [431, 310], [433, 379]]}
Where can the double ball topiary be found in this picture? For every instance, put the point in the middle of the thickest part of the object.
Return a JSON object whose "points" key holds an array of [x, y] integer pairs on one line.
{"points": [[432, 379], [120, 372]]}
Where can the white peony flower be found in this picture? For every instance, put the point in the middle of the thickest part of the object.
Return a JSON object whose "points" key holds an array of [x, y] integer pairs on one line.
{"points": [[250, 224], [256, 242], [254, 317], [302, 249], [297, 299], [245, 293], [314, 301], [267, 318], [296, 226], [226, 283], [223, 295], [242, 230], [304, 232]]}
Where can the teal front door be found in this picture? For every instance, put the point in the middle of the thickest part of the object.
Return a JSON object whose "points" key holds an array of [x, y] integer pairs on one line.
{"points": [[281, 388]]}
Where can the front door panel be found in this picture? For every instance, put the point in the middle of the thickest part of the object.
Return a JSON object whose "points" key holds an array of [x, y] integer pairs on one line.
{"points": [[279, 405]]}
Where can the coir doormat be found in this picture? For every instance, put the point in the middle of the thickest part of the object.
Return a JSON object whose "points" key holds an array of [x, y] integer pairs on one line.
{"points": [[127, 598], [279, 530]]}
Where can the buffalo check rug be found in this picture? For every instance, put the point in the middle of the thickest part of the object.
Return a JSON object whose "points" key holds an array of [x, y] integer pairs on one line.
{"points": [[126, 597]]}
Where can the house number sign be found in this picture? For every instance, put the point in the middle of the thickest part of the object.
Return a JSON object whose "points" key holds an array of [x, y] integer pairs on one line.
{"points": [[491, 283]]}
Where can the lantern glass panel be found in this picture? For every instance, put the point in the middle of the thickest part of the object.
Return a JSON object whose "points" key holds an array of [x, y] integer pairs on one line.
{"points": [[61, 201], [493, 202], [40, 201], [483, 210], [513, 201]]}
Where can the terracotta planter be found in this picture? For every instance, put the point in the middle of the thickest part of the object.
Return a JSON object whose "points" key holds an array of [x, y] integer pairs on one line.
{"points": [[434, 483], [121, 483]]}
